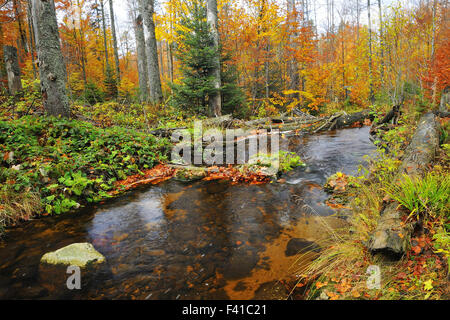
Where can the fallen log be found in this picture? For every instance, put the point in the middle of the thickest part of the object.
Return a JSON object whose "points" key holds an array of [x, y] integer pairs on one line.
{"points": [[165, 132], [343, 120], [391, 116], [391, 237], [218, 121]]}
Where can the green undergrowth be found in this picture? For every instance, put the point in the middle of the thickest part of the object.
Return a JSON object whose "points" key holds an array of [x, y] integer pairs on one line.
{"points": [[66, 163]]}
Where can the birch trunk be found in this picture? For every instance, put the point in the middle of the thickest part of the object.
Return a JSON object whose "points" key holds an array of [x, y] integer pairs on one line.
{"points": [[154, 78], [12, 69], [50, 59], [215, 101]]}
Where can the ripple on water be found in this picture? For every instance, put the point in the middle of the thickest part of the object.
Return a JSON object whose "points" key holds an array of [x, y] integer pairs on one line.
{"points": [[209, 240]]}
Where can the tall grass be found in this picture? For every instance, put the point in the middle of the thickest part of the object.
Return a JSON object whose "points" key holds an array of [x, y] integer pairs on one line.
{"points": [[16, 207], [424, 197]]}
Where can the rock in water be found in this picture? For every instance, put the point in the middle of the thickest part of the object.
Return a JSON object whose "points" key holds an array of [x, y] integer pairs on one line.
{"points": [[297, 245], [53, 269], [77, 254]]}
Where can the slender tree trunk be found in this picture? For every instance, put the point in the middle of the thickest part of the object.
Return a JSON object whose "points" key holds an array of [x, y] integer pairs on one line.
{"points": [[215, 101], [154, 77], [3, 72], [161, 58], [381, 42], [371, 96], [12, 69], [292, 67], [433, 40], [32, 44], [114, 35], [22, 33], [105, 42], [51, 62], [141, 56], [358, 18], [170, 60]]}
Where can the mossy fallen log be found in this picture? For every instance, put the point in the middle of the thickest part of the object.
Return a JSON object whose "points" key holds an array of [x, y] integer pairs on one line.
{"points": [[391, 237]]}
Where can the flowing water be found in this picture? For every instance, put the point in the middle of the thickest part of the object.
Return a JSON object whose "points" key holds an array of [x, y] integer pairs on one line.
{"points": [[206, 240]]}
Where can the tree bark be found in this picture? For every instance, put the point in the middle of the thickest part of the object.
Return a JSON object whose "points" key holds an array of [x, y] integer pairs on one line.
{"points": [[51, 62], [154, 78], [105, 42], [141, 56], [114, 35], [381, 42], [18, 13], [32, 44], [215, 101], [292, 66], [445, 100], [12, 69], [371, 96]]}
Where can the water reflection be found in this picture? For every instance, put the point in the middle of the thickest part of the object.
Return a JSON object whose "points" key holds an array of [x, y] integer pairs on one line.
{"points": [[203, 241]]}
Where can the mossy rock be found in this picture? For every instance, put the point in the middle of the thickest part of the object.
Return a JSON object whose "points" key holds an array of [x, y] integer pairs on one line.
{"points": [[77, 254], [190, 174]]}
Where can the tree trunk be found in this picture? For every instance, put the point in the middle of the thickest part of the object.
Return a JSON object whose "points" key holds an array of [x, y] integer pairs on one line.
{"points": [[154, 78], [445, 100], [141, 56], [51, 62], [371, 96], [12, 69], [381, 42], [114, 35], [23, 37], [292, 66], [105, 42], [32, 44], [215, 101]]}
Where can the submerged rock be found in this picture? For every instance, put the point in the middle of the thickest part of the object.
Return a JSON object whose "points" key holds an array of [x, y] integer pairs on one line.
{"points": [[77, 254], [272, 290], [298, 245]]}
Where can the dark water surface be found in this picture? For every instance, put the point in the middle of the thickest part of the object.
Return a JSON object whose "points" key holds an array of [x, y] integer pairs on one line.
{"points": [[208, 240]]}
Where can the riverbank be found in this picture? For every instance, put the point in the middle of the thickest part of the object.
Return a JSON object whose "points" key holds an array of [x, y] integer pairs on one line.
{"points": [[208, 239], [346, 269], [52, 166]]}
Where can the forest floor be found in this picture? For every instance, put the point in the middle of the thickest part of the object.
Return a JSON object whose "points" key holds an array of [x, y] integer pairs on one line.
{"points": [[51, 166]]}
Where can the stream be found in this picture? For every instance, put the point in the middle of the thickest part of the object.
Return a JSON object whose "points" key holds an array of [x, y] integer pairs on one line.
{"points": [[206, 240]]}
